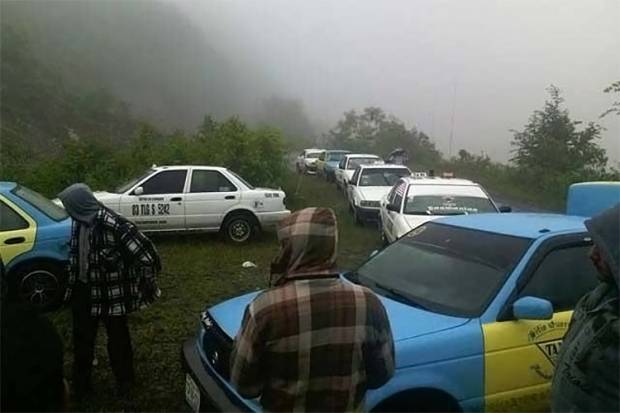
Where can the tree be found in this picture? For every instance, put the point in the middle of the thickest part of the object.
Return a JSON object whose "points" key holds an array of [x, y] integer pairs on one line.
{"points": [[551, 143], [375, 131], [615, 107]]}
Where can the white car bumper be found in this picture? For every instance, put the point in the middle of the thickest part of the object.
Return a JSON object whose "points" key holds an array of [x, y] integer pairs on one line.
{"points": [[270, 219]]}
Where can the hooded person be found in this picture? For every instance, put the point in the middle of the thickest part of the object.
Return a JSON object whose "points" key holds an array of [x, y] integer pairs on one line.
{"points": [[311, 342], [587, 370], [112, 273]]}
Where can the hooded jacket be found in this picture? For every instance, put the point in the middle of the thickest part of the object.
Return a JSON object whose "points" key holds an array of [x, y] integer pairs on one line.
{"points": [[587, 371]]}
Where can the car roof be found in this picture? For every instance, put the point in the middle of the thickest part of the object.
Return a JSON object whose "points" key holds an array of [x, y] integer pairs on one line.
{"points": [[6, 186], [528, 225], [177, 167], [439, 181], [362, 155], [383, 166], [337, 151], [314, 150]]}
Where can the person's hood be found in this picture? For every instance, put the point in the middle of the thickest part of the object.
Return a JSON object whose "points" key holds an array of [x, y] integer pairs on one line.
{"points": [[308, 246], [373, 193], [80, 203], [406, 321], [605, 231]]}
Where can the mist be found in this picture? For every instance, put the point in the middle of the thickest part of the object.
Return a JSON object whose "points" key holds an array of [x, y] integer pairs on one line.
{"points": [[488, 62]]}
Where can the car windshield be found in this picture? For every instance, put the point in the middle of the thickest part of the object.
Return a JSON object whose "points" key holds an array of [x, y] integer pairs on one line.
{"points": [[355, 162], [443, 268], [382, 177], [313, 155], [335, 156], [447, 205], [41, 203], [128, 185], [243, 181]]}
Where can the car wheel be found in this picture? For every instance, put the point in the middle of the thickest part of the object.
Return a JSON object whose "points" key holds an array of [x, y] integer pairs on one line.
{"points": [[40, 285], [239, 228]]}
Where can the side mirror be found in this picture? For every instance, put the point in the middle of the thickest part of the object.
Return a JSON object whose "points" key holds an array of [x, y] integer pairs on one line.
{"points": [[138, 191], [532, 308], [505, 208], [392, 207]]}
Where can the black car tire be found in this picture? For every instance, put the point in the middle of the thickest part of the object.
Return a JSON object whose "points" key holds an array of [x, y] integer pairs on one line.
{"points": [[41, 285], [239, 228]]}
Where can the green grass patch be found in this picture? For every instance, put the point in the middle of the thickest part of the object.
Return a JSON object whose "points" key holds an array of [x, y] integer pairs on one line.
{"points": [[201, 270]]}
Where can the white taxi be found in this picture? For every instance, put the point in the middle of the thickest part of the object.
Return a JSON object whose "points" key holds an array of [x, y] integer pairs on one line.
{"points": [[306, 161], [412, 202], [349, 163], [368, 186], [197, 198]]}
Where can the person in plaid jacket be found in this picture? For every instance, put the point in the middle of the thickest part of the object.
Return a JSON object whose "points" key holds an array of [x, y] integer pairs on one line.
{"points": [[112, 272], [312, 342]]}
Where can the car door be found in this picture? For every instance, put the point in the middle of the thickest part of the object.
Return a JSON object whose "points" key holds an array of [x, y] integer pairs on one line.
{"points": [[520, 354], [160, 206], [17, 231], [210, 196], [351, 187], [391, 216], [340, 172]]}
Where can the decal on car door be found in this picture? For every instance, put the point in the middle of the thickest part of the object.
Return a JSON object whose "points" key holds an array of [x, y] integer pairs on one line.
{"points": [[519, 361]]}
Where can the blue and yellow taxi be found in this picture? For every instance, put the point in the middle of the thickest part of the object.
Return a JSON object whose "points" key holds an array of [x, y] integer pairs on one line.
{"points": [[478, 306], [34, 245]]}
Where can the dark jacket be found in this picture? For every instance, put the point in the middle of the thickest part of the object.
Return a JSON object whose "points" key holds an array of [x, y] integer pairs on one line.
{"points": [[122, 265]]}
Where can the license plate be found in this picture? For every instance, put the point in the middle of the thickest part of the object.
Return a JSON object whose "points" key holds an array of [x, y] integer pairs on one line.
{"points": [[192, 394]]}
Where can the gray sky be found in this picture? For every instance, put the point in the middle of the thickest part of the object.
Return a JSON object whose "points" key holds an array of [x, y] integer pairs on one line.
{"points": [[411, 57]]}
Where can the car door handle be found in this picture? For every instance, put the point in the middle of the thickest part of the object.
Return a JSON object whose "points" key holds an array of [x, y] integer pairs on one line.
{"points": [[15, 240], [176, 199], [229, 197]]}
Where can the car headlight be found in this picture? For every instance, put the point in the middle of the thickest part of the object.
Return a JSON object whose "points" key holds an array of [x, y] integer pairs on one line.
{"points": [[369, 204]]}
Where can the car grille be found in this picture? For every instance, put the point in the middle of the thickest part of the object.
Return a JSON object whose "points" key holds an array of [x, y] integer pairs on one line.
{"points": [[217, 346]]}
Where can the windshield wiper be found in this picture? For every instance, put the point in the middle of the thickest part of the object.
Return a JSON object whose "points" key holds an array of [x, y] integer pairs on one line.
{"points": [[400, 296]]}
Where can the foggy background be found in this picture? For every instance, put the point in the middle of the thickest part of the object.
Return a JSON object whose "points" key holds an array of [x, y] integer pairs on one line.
{"points": [[492, 60], [299, 65]]}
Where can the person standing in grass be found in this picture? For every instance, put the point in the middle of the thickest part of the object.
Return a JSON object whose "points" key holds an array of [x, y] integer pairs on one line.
{"points": [[312, 342], [587, 375], [112, 272]]}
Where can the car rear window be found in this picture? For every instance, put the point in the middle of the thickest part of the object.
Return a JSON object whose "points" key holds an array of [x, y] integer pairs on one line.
{"points": [[41, 203], [447, 205]]}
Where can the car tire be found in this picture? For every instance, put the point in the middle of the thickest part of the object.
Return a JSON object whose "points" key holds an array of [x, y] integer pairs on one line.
{"points": [[40, 285], [239, 228], [425, 401]]}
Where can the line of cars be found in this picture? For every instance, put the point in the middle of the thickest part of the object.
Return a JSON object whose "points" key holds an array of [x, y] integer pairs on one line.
{"points": [[390, 194], [478, 301]]}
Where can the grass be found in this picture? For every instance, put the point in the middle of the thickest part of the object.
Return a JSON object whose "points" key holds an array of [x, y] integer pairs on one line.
{"points": [[201, 270]]}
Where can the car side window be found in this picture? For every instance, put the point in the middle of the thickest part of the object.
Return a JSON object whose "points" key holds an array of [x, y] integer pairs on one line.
{"points": [[11, 220], [342, 163], [563, 277], [166, 182], [210, 181], [322, 156], [355, 176]]}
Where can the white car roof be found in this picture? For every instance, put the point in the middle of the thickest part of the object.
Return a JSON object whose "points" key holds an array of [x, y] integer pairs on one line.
{"points": [[439, 181], [313, 150], [362, 155], [176, 167], [383, 166]]}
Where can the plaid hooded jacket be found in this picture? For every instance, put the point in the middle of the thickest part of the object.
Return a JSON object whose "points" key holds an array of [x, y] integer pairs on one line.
{"points": [[312, 342], [122, 265]]}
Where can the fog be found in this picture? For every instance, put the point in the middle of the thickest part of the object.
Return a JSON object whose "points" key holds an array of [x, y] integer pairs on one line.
{"points": [[488, 62]]}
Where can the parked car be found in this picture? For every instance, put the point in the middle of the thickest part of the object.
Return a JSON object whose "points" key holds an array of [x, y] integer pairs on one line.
{"points": [[478, 305], [328, 163], [306, 161], [413, 201], [370, 184], [197, 198], [349, 164], [34, 246]]}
